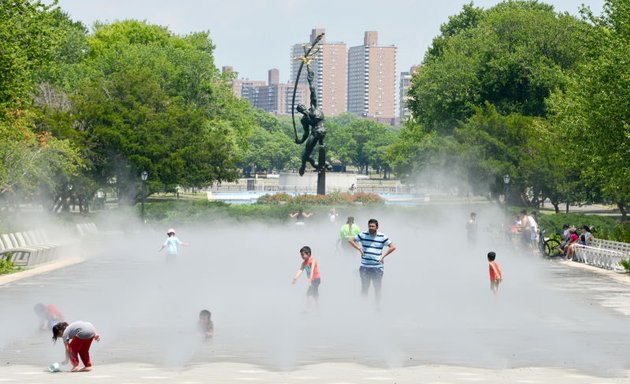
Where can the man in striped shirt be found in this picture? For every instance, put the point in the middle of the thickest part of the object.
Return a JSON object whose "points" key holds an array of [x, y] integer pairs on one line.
{"points": [[371, 244]]}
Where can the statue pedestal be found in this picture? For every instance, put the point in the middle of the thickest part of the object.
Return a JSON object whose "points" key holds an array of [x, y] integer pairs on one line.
{"points": [[335, 182]]}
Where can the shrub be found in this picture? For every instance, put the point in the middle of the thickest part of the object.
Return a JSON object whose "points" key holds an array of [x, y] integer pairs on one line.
{"points": [[6, 265], [335, 198]]}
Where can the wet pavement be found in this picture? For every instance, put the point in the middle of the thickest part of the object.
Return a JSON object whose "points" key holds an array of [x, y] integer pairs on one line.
{"points": [[406, 349]]}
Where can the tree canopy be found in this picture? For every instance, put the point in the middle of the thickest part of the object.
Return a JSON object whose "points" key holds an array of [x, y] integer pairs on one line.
{"points": [[511, 55], [592, 115]]}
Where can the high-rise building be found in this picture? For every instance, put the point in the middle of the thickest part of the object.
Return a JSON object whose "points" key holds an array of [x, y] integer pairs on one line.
{"points": [[242, 87], [372, 79], [405, 84], [277, 97], [329, 68], [273, 77], [271, 96]]}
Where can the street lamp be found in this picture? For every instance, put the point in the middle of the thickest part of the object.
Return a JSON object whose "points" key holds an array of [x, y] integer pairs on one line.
{"points": [[144, 176], [506, 183], [69, 199]]}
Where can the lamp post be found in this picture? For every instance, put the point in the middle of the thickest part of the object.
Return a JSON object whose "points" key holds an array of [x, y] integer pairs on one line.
{"points": [[144, 176], [69, 200], [506, 183]]}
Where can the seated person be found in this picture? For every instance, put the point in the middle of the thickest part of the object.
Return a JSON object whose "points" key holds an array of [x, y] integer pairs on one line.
{"points": [[565, 239], [48, 315], [205, 324], [584, 239], [570, 246]]}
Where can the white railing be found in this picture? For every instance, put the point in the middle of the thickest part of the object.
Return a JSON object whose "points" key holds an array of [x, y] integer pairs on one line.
{"points": [[605, 254]]}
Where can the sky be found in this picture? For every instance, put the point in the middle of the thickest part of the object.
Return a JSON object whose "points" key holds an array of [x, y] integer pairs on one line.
{"points": [[254, 36]]}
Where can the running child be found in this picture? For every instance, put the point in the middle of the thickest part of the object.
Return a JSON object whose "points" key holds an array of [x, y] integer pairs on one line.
{"points": [[309, 264], [171, 244], [495, 272], [77, 338]]}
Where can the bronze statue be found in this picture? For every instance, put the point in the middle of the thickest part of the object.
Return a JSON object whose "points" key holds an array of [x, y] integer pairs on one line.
{"points": [[312, 117]]}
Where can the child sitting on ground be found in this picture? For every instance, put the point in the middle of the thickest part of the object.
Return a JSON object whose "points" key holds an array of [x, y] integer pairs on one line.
{"points": [[205, 324], [48, 315]]}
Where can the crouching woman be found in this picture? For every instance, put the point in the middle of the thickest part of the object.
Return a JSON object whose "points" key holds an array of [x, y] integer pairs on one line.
{"points": [[77, 338]]}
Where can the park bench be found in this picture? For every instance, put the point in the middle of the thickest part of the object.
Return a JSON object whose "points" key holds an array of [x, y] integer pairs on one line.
{"points": [[90, 230], [605, 254], [87, 229], [27, 248]]}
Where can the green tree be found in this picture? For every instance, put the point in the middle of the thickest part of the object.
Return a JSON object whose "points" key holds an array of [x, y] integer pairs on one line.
{"points": [[370, 135], [341, 144], [31, 40], [511, 55], [462, 23], [35, 162], [417, 150], [151, 100], [491, 145], [593, 113], [269, 147], [27, 44]]}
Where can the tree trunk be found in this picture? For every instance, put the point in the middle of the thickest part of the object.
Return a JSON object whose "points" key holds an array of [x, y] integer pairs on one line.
{"points": [[556, 206], [57, 204], [622, 209], [566, 210]]}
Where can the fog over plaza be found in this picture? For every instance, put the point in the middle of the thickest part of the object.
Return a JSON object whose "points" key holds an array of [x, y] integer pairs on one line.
{"points": [[437, 305]]}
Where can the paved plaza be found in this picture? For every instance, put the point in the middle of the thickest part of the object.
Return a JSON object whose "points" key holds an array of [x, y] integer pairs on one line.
{"points": [[578, 334], [326, 373]]}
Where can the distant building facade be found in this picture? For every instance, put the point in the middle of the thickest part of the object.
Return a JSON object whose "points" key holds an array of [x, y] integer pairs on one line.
{"points": [[271, 96], [405, 84], [372, 80], [329, 68]]}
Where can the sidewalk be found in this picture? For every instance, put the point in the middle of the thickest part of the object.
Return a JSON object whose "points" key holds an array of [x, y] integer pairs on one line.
{"points": [[324, 373], [39, 269], [623, 278]]}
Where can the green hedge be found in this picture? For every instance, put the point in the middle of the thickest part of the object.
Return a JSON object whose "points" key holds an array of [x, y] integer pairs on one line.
{"points": [[177, 212], [268, 208], [330, 199]]}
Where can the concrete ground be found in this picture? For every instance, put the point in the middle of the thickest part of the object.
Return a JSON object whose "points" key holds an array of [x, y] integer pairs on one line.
{"points": [[326, 373], [606, 291]]}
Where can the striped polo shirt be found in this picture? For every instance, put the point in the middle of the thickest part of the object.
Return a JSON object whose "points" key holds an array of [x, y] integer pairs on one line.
{"points": [[372, 248]]}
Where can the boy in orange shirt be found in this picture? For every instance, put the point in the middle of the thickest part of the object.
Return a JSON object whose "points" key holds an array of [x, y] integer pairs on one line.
{"points": [[495, 272], [311, 267]]}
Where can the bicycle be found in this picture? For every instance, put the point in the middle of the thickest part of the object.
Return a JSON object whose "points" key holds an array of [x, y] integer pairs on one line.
{"points": [[549, 247]]}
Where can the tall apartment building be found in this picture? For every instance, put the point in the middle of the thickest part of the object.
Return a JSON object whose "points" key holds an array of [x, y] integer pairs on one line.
{"points": [[276, 97], [271, 96], [405, 84], [243, 87], [372, 79], [329, 68]]}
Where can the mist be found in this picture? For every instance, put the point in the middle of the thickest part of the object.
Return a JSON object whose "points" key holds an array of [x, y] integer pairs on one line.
{"points": [[437, 306]]}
